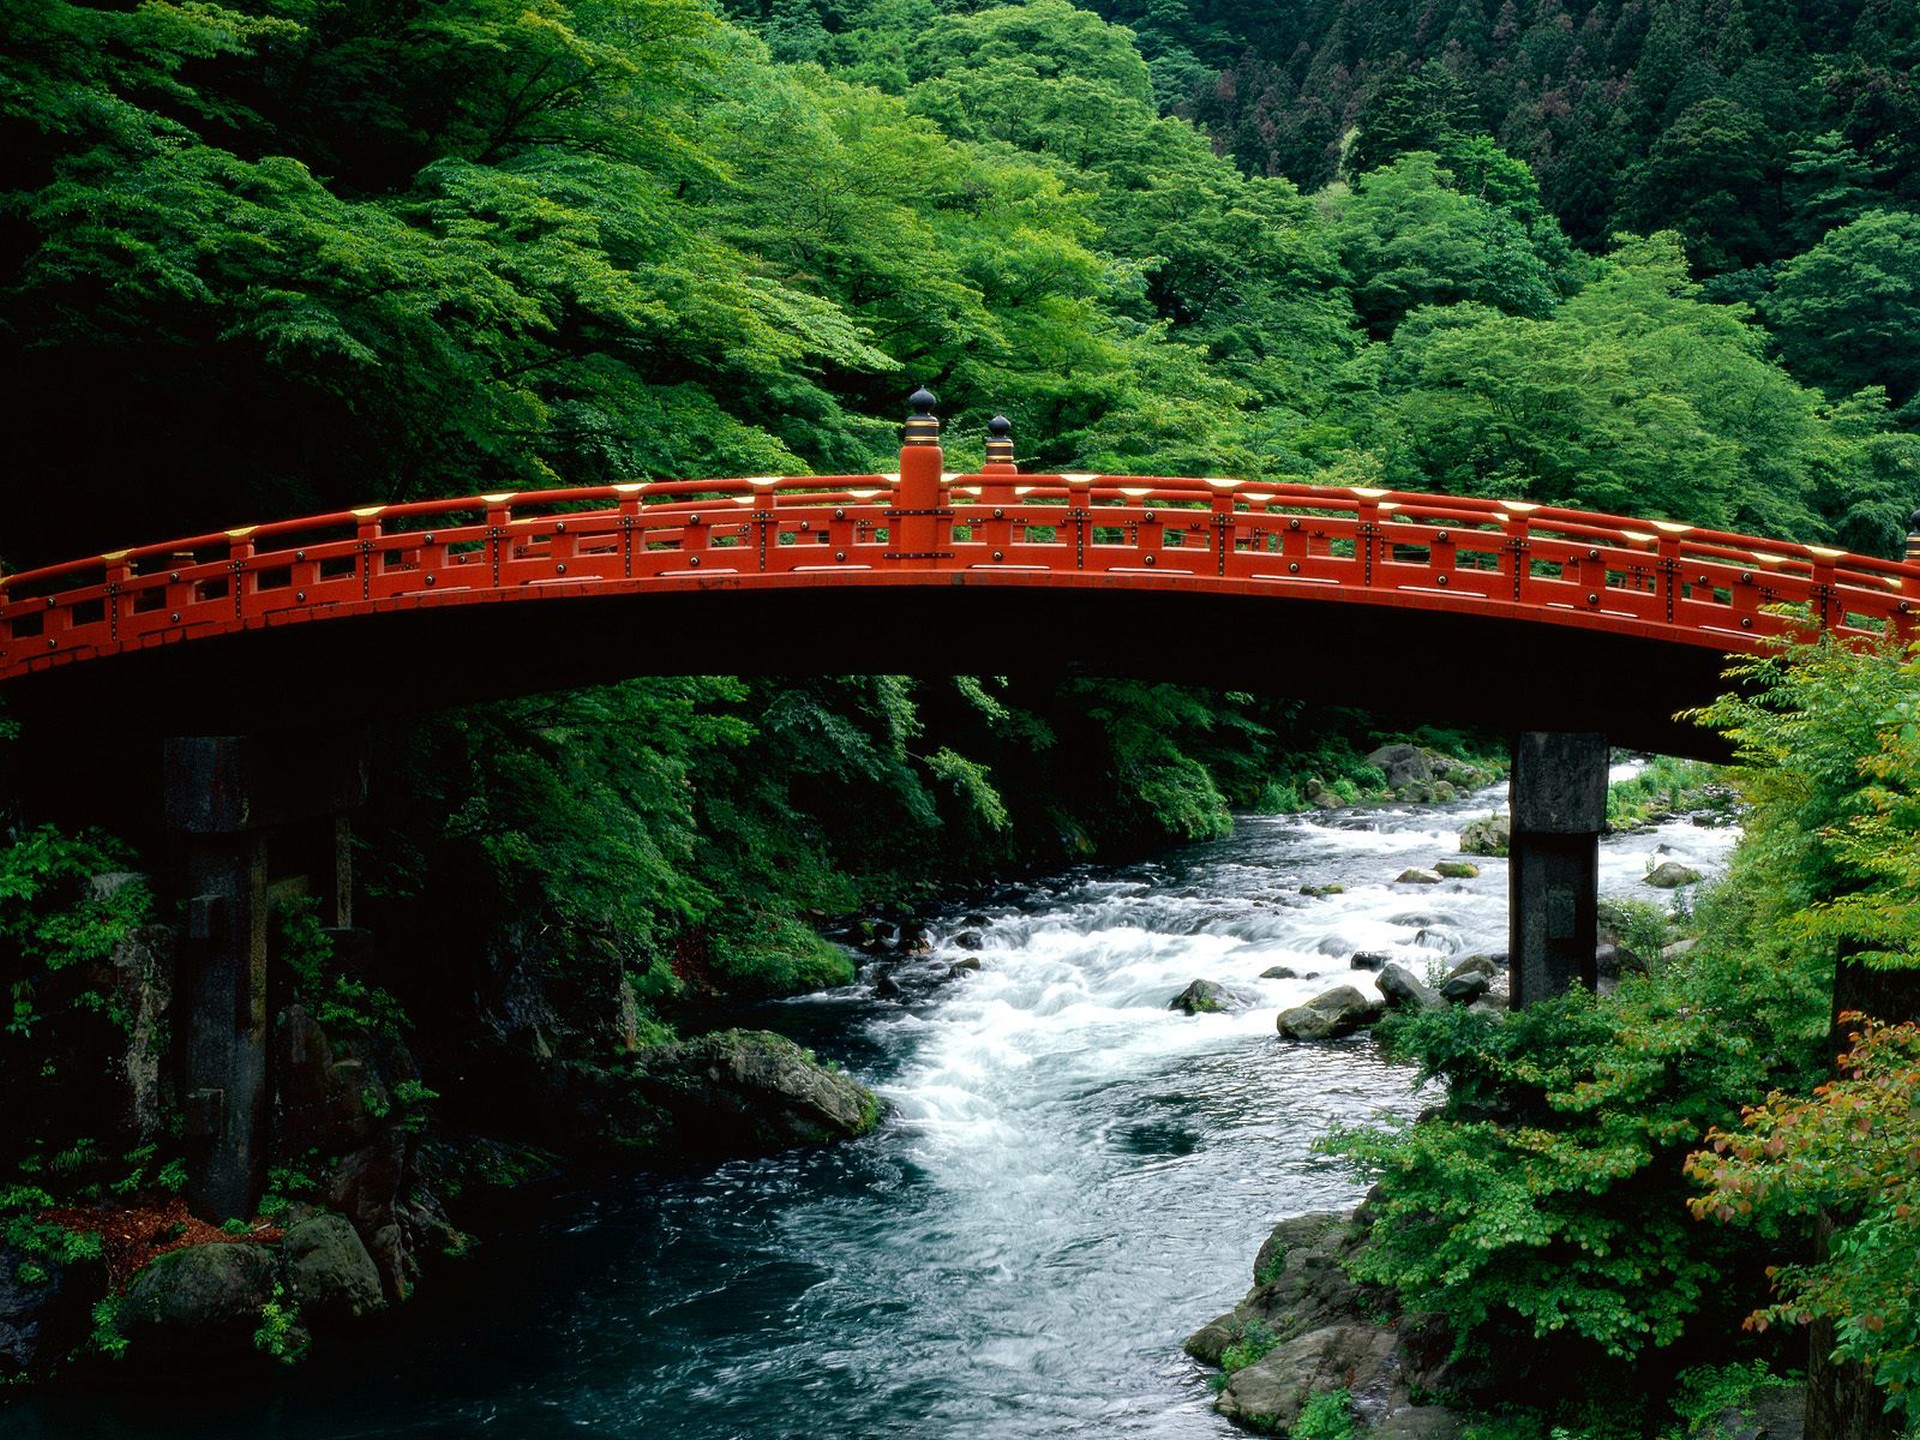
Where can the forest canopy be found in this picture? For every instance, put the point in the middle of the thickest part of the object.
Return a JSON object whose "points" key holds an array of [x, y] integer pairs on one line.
{"points": [[265, 257]]}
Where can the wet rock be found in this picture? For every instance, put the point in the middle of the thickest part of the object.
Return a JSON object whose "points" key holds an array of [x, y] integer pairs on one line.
{"points": [[1355, 1358], [1491, 835], [1671, 875], [1207, 997], [1456, 870], [1416, 876], [198, 1302], [888, 988], [1467, 988], [1279, 972], [1314, 892], [45, 1311], [1405, 991], [1487, 965], [1339, 1011], [1402, 764], [746, 1092], [329, 1271], [1776, 1413], [969, 940], [962, 967], [1367, 960]]}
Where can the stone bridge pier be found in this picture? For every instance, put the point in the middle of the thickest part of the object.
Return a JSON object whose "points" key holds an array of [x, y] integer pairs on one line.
{"points": [[1558, 798], [252, 818]]}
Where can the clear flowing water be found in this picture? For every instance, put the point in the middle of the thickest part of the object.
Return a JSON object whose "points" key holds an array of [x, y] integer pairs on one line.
{"points": [[1073, 1179]]}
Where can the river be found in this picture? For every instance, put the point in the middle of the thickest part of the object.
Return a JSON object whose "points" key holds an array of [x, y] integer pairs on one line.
{"points": [[1073, 1178]]}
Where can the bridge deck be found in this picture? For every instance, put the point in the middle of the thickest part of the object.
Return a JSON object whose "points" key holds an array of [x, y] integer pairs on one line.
{"points": [[1497, 587]]}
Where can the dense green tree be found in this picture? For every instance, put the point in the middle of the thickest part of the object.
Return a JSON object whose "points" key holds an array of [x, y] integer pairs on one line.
{"points": [[1848, 311], [1407, 238]]}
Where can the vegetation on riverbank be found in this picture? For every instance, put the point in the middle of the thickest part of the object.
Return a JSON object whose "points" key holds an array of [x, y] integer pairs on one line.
{"points": [[1552, 1207]]}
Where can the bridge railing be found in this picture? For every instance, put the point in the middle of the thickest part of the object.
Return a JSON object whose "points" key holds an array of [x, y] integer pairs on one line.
{"points": [[998, 526]]}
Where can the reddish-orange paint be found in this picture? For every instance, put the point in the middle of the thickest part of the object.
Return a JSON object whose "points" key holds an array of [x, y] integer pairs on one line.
{"points": [[1000, 528]]}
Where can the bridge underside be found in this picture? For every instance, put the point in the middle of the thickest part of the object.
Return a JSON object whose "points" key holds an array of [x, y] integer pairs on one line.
{"points": [[1426, 665]]}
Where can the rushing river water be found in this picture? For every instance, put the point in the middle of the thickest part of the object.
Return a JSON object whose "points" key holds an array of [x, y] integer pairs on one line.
{"points": [[1072, 1180]]}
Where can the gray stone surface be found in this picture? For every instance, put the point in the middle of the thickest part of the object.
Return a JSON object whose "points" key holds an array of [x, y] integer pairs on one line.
{"points": [[1207, 997], [329, 1271], [1671, 875], [1356, 1358], [1339, 1011], [200, 1299], [1489, 835], [749, 1091], [1406, 991]]}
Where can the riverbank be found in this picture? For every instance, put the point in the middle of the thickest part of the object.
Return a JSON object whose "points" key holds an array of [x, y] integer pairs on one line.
{"points": [[1071, 1179]]}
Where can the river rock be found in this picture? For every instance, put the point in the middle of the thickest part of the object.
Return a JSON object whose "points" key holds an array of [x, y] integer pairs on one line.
{"points": [[1776, 1413], [1671, 875], [1467, 988], [741, 1092], [198, 1301], [1456, 870], [1279, 972], [963, 966], [45, 1311], [1403, 765], [1416, 876], [1314, 892], [1339, 1011], [969, 940], [1367, 960], [329, 1271], [1490, 835], [1300, 1284], [1355, 1358], [1405, 991], [1206, 997]]}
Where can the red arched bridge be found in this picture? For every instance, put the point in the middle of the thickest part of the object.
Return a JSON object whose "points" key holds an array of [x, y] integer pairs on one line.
{"points": [[1535, 616], [247, 652]]}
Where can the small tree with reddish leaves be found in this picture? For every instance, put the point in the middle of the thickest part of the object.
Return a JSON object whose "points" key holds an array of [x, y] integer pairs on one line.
{"points": [[1852, 1148]]}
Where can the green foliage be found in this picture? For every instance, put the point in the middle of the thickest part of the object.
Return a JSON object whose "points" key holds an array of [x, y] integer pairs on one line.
{"points": [[1326, 1416], [280, 1333], [53, 918], [1853, 1148], [106, 1338], [1704, 1393], [1253, 1344], [336, 999], [1664, 787]]}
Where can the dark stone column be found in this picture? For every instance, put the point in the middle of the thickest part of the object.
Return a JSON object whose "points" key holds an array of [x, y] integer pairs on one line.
{"points": [[1559, 800], [224, 795], [223, 970]]}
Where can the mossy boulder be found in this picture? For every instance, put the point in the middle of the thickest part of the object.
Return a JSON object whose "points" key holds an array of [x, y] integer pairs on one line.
{"points": [[1339, 1011], [1489, 835], [329, 1272], [201, 1302], [750, 1092]]}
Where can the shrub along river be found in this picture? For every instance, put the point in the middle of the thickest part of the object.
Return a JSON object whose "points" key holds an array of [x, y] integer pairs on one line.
{"points": [[1074, 1178]]}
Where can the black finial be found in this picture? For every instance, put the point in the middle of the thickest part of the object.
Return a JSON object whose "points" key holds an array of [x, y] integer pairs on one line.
{"points": [[923, 427], [1913, 523], [999, 441]]}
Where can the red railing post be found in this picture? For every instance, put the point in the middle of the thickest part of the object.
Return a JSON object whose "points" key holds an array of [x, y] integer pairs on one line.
{"points": [[912, 529], [119, 603], [1367, 547], [239, 553]]}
